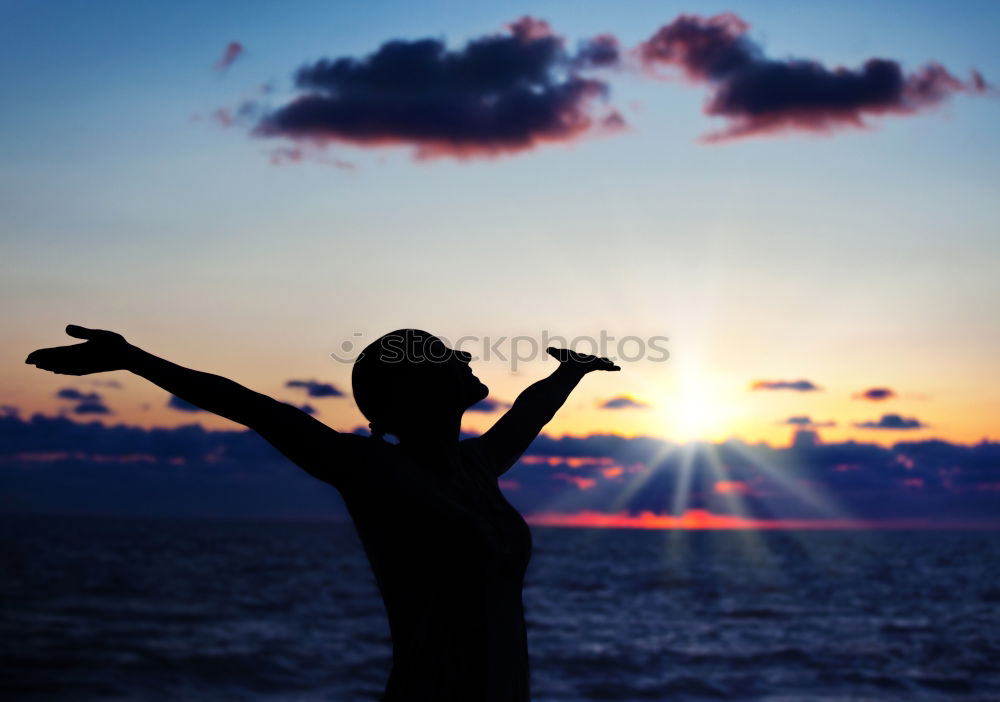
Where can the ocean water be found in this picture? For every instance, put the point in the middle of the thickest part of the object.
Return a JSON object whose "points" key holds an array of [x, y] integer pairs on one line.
{"points": [[101, 609]]}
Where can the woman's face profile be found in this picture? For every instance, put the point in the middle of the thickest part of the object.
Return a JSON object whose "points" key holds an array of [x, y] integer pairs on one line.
{"points": [[452, 374]]}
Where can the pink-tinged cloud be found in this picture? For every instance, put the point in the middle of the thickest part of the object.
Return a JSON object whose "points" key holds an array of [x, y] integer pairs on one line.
{"points": [[233, 51], [757, 95], [731, 487], [601, 51], [285, 155], [568, 461], [224, 117], [499, 94], [579, 481]]}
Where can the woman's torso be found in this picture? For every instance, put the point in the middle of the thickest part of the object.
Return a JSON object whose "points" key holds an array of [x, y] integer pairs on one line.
{"points": [[449, 554]]}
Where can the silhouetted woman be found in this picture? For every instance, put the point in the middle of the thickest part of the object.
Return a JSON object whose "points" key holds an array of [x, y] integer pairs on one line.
{"points": [[448, 551]]}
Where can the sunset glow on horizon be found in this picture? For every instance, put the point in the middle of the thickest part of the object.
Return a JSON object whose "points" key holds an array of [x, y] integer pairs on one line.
{"points": [[703, 520]]}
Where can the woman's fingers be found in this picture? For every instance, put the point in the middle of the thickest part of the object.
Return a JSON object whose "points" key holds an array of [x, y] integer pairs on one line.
{"points": [[568, 356], [79, 332], [99, 353], [55, 357], [39, 356]]}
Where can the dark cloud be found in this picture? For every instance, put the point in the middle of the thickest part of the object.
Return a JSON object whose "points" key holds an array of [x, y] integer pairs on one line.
{"points": [[759, 95], [797, 385], [928, 480], [892, 421], [77, 395], [107, 384], [233, 51], [498, 94], [91, 407], [806, 421], [315, 388], [182, 405], [488, 405], [622, 402], [875, 394], [806, 438], [87, 402], [601, 51], [307, 408], [53, 464]]}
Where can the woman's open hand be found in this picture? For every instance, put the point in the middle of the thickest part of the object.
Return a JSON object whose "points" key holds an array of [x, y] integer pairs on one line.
{"points": [[103, 351], [583, 362]]}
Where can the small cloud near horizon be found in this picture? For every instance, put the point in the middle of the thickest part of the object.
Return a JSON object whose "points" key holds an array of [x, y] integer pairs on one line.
{"points": [[87, 402], [875, 394], [77, 396], [91, 407], [622, 402], [315, 388], [488, 405], [806, 421], [892, 422], [796, 385]]}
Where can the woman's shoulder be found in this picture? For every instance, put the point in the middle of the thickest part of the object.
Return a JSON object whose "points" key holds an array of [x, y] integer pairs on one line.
{"points": [[369, 462]]}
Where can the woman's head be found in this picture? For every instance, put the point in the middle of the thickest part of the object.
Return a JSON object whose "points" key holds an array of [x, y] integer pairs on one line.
{"points": [[409, 378]]}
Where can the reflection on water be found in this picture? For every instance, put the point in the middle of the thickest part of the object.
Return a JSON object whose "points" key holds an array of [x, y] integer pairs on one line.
{"points": [[135, 609]]}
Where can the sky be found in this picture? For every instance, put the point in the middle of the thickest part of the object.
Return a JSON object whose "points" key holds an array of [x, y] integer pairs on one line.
{"points": [[815, 235]]}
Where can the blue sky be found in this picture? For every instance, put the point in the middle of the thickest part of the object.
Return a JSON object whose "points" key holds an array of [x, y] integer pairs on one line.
{"points": [[859, 259]]}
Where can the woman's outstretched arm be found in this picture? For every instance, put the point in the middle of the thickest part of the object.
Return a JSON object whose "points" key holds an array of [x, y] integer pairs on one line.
{"points": [[307, 442], [535, 406]]}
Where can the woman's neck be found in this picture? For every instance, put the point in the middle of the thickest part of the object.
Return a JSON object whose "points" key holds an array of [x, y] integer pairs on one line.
{"points": [[437, 442]]}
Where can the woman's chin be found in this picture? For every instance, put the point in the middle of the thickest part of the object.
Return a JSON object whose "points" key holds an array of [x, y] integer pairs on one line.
{"points": [[477, 392]]}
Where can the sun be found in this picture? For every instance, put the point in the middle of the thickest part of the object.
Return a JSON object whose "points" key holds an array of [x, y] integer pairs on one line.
{"points": [[696, 408]]}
